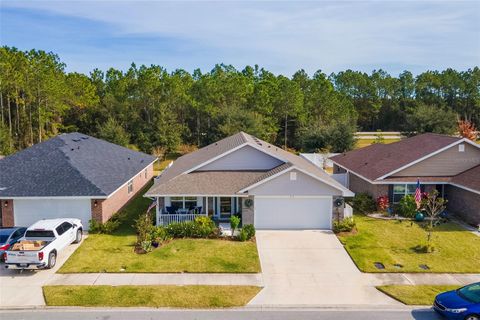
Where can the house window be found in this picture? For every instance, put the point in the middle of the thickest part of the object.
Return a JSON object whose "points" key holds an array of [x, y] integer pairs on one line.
{"points": [[401, 190], [146, 173], [461, 148], [130, 186], [293, 176], [183, 202]]}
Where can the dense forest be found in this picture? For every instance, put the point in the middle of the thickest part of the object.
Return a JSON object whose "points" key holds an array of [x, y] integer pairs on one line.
{"points": [[150, 108]]}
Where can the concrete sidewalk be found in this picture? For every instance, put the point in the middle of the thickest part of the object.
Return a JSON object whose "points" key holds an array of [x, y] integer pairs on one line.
{"points": [[115, 279], [248, 279]]}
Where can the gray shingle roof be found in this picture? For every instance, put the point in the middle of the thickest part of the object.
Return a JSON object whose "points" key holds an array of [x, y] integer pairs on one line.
{"points": [[176, 173], [70, 165]]}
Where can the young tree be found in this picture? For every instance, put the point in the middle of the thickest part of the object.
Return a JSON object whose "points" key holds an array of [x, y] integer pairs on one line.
{"points": [[467, 130], [433, 206]]}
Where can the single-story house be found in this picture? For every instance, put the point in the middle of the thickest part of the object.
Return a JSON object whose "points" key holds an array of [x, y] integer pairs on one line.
{"points": [[449, 164], [241, 174], [72, 175]]}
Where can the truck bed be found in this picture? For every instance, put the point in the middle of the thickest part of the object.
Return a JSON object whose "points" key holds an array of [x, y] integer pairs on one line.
{"points": [[29, 245]]}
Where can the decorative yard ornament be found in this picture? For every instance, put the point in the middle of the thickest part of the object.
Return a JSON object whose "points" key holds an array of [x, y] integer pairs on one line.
{"points": [[338, 202], [249, 203]]}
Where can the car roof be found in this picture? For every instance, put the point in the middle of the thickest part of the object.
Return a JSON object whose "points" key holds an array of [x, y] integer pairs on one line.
{"points": [[47, 224]]}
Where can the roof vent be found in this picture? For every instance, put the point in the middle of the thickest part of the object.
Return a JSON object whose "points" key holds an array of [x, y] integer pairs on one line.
{"points": [[76, 140], [84, 138], [72, 149]]}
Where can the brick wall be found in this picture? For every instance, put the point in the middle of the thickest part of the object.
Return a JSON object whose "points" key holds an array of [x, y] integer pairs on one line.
{"points": [[358, 185], [7, 213], [103, 209], [464, 204]]}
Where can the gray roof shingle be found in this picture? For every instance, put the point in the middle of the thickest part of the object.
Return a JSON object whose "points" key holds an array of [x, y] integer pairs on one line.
{"points": [[166, 183], [70, 165]]}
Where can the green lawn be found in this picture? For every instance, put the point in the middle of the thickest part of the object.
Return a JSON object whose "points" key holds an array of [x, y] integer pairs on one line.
{"points": [[150, 296], [114, 253], [361, 142], [392, 242], [415, 295]]}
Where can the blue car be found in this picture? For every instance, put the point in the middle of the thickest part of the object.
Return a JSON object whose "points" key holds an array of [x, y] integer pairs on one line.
{"points": [[461, 304], [9, 236]]}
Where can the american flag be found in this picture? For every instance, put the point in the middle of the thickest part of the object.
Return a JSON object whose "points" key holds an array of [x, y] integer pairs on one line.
{"points": [[418, 194], [152, 205]]}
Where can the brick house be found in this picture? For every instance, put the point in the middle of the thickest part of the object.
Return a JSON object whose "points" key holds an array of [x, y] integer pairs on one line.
{"points": [[449, 164], [70, 176]]}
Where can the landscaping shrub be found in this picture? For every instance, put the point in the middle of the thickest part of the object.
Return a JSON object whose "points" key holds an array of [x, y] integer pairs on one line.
{"points": [[250, 230], [363, 203], [234, 223], [144, 227], [107, 227], [383, 203], [242, 235], [345, 225], [159, 234], [202, 227], [407, 207], [205, 227]]}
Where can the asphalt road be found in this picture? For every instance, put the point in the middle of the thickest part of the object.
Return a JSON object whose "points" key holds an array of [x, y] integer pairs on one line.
{"points": [[147, 314]]}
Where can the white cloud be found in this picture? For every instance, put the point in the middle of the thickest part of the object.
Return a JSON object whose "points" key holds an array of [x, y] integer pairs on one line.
{"points": [[292, 35]]}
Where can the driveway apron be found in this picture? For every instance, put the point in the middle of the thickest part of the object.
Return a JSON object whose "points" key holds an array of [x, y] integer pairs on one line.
{"points": [[310, 267]]}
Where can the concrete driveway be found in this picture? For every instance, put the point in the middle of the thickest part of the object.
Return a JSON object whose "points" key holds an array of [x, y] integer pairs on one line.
{"points": [[24, 289], [310, 267]]}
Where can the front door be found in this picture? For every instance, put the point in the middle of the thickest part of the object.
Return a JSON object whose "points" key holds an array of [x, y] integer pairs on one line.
{"points": [[225, 207]]}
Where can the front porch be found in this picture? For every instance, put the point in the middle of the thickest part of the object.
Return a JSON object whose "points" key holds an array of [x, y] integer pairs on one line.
{"points": [[187, 208]]}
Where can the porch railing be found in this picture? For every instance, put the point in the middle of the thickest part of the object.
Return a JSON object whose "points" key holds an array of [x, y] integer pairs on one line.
{"points": [[165, 219]]}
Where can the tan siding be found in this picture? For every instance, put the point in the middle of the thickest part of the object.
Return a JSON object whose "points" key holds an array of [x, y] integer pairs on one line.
{"points": [[447, 163]]}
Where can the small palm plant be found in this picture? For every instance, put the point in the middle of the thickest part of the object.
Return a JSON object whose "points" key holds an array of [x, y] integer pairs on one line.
{"points": [[234, 223]]}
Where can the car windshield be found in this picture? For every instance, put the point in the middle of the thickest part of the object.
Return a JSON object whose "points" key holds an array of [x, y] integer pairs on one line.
{"points": [[39, 234], [470, 292]]}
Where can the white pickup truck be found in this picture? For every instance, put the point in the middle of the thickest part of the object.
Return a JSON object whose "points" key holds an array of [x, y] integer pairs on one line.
{"points": [[42, 242]]}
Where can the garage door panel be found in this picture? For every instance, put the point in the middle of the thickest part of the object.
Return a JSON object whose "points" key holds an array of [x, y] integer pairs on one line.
{"points": [[292, 213], [29, 211]]}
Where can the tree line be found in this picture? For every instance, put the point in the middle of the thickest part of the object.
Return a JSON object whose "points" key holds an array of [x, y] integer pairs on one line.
{"points": [[148, 107]]}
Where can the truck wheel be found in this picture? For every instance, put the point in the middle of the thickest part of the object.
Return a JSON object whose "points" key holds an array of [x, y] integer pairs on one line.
{"points": [[78, 238], [52, 260]]}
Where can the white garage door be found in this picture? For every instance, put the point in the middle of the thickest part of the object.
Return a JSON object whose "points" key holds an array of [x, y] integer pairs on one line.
{"points": [[293, 213], [29, 211]]}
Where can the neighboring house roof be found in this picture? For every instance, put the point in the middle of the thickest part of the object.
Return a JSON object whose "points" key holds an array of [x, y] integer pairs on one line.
{"points": [[70, 165], [187, 164], [377, 160], [469, 179]]}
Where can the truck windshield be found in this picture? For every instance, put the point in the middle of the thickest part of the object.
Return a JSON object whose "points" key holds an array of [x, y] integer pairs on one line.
{"points": [[39, 234]]}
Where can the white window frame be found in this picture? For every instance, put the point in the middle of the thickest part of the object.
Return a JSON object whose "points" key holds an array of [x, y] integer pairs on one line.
{"points": [[405, 191], [184, 200], [130, 186], [461, 148]]}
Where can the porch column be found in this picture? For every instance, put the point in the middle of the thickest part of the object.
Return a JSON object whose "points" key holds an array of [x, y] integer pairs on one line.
{"points": [[206, 206]]}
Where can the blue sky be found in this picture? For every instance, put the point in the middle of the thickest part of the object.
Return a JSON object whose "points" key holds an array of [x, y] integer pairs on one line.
{"points": [[280, 36]]}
